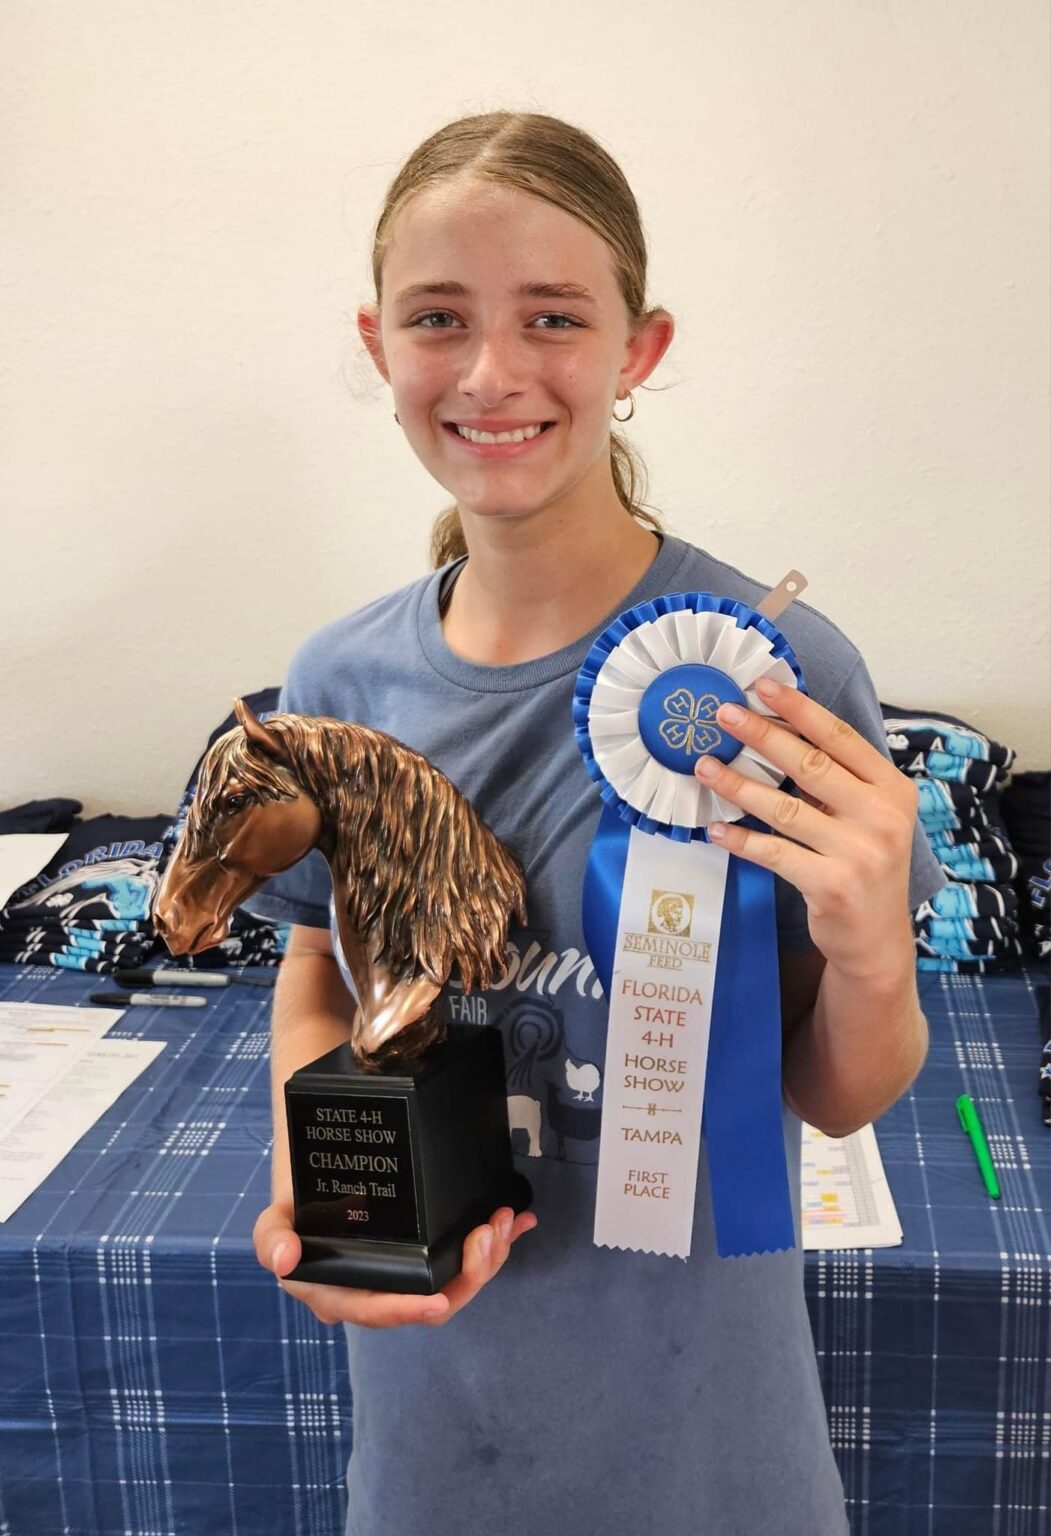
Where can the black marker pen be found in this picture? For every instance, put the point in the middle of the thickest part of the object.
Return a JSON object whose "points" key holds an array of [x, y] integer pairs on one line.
{"points": [[146, 1000]]}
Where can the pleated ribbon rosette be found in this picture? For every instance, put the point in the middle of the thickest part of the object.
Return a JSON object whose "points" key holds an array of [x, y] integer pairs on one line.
{"points": [[682, 934]]}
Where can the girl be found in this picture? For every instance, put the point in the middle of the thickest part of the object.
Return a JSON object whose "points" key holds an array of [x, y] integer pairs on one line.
{"points": [[588, 1390]]}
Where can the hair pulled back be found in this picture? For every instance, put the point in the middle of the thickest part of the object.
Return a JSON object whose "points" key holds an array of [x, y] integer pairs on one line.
{"points": [[563, 165]]}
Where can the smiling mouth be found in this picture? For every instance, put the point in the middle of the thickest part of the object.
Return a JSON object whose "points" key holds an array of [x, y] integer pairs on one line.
{"points": [[498, 449]]}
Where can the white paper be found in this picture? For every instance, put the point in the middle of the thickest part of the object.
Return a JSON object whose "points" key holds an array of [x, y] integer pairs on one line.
{"points": [[846, 1200], [39, 1044], [33, 1148], [657, 1043], [23, 855]]}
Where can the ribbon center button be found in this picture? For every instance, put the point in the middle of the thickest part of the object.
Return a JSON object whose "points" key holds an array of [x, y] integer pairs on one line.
{"points": [[677, 716]]}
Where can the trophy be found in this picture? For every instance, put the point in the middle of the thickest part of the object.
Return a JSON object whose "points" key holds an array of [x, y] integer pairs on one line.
{"points": [[399, 1138]]}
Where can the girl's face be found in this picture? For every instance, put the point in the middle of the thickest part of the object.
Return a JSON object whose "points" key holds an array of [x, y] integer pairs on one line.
{"points": [[469, 345]]}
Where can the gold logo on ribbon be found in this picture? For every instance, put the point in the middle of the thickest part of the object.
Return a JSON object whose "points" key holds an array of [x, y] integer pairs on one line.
{"points": [[687, 726], [671, 912]]}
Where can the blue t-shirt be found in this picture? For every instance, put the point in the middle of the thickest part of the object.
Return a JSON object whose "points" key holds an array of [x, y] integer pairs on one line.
{"points": [[585, 1390]]}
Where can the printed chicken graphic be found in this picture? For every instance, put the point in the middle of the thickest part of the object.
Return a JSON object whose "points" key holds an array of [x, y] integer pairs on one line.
{"points": [[583, 1079]]}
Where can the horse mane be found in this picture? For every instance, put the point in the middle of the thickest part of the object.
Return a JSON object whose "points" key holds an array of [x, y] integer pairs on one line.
{"points": [[230, 757], [425, 878]]}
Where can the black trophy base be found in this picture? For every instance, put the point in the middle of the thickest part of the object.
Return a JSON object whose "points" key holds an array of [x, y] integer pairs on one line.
{"points": [[392, 1169]]}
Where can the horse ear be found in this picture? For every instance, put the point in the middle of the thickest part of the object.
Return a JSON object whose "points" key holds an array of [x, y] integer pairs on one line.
{"points": [[257, 732]]}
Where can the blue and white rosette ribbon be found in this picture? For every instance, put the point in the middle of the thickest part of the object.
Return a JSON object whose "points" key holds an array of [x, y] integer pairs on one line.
{"points": [[681, 933]]}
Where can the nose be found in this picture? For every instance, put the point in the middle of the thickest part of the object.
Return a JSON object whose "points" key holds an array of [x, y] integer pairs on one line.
{"points": [[186, 931], [491, 376], [167, 921]]}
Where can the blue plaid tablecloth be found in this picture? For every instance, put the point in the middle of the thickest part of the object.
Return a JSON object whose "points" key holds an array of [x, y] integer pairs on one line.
{"points": [[155, 1381]]}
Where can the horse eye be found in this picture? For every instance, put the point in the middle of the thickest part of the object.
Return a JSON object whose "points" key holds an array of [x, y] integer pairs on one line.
{"points": [[233, 803]]}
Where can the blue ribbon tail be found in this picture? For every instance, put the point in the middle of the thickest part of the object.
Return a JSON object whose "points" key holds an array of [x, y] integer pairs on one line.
{"points": [[751, 1201], [603, 889], [742, 1121]]}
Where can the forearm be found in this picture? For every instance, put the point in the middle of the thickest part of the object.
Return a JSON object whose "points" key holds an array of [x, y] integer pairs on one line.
{"points": [[313, 1012], [858, 1050]]}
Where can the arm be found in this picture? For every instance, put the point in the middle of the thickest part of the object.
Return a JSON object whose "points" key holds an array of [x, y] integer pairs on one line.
{"points": [[854, 1036], [850, 1049], [313, 1012]]}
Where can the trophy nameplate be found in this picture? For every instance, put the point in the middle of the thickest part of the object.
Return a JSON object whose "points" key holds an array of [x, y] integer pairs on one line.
{"points": [[392, 1169]]}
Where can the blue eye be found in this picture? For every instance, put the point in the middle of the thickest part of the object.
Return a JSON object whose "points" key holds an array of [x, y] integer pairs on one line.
{"points": [[433, 314]]}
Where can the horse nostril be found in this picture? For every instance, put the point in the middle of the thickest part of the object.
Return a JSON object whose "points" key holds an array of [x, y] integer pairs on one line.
{"points": [[196, 943], [165, 918]]}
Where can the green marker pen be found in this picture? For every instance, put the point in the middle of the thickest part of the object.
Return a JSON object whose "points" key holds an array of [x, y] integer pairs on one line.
{"points": [[973, 1126]]}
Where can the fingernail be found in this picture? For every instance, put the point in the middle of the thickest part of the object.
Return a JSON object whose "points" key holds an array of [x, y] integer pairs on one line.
{"points": [[485, 1243], [717, 830], [767, 688], [708, 767], [731, 713], [275, 1257]]}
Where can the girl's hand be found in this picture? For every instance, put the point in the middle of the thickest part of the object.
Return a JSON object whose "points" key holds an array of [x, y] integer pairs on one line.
{"points": [[846, 845], [278, 1249]]}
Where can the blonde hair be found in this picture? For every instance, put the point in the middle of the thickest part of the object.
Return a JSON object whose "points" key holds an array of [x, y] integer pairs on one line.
{"points": [[562, 164]]}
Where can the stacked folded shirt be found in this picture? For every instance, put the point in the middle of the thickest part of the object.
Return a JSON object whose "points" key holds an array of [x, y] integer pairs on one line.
{"points": [[89, 909], [40, 816], [1026, 804], [1043, 1009], [973, 924], [251, 940], [1038, 887]]}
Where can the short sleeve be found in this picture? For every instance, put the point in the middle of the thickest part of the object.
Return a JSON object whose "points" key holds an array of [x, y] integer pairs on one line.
{"points": [[300, 894], [857, 703]]}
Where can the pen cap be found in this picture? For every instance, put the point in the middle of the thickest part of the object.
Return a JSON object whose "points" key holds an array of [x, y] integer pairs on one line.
{"points": [[966, 1112]]}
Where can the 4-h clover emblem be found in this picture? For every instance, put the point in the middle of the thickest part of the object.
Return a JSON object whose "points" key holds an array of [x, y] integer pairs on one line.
{"points": [[646, 700], [687, 722]]}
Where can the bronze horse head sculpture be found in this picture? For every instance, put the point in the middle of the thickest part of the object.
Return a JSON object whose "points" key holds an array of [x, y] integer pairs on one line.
{"points": [[420, 883]]}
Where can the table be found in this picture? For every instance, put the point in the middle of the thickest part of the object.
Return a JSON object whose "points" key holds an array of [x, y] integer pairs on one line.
{"points": [[154, 1379]]}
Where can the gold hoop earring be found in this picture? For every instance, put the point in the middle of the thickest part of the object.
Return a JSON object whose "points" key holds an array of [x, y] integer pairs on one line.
{"points": [[630, 414]]}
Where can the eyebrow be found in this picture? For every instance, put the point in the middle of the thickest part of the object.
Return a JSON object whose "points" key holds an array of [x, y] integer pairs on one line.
{"points": [[526, 291]]}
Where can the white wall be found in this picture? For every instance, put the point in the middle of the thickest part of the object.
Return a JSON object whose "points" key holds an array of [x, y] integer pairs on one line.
{"points": [[847, 211]]}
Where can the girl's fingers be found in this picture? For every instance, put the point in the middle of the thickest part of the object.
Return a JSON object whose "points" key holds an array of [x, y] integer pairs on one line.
{"points": [[794, 863], [794, 818], [277, 1245], [524, 1222], [485, 1251], [827, 758], [475, 1271], [368, 1309], [807, 765], [819, 728]]}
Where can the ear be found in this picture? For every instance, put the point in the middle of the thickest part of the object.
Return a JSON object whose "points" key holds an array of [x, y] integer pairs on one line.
{"points": [[369, 331], [257, 732]]}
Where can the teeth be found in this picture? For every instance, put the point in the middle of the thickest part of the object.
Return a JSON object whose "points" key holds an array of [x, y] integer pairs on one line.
{"points": [[521, 436]]}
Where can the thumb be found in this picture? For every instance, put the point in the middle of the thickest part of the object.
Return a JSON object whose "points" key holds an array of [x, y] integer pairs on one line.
{"points": [[277, 1246]]}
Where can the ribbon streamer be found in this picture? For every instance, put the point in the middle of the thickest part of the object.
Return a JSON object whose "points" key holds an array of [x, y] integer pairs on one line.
{"points": [[643, 714]]}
